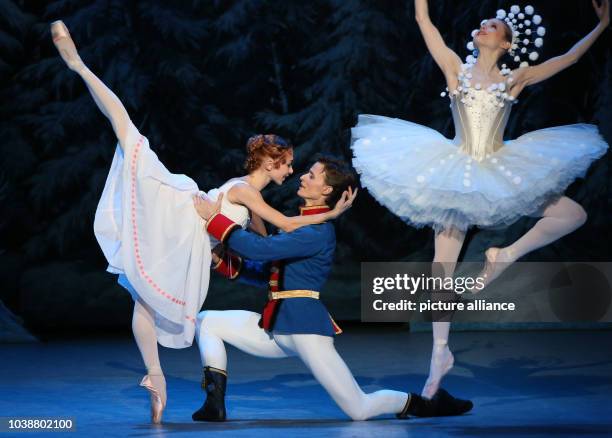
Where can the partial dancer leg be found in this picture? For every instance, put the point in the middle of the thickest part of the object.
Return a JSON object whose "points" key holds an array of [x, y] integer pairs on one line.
{"points": [[240, 329], [448, 245], [143, 327], [320, 356], [236, 327], [105, 99], [559, 218]]}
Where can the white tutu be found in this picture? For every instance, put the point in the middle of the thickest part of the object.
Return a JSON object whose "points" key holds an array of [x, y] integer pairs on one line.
{"points": [[426, 180]]}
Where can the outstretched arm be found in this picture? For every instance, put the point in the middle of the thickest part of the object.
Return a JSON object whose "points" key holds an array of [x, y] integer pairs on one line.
{"points": [[107, 101], [252, 199], [447, 59], [305, 242], [532, 75], [300, 243]]}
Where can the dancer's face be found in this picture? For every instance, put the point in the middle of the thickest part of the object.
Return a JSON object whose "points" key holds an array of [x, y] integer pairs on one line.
{"points": [[492, 35], [284, 169], [313, 186]]}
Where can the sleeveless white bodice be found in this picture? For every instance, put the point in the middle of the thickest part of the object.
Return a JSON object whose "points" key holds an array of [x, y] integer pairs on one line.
{"points": [[237, 213], [477, 178], [480, 114]]}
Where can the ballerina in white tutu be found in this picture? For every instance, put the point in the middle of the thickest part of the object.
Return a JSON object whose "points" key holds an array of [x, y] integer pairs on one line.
{"points": [[151, 234], [477, 179]]}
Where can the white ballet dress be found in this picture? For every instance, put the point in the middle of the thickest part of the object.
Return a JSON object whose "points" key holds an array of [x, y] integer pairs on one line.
{"points": [[152, 236], [476, 179]]}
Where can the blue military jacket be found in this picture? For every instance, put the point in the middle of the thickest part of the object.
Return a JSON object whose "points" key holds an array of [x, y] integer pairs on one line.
{"points": [[307, 256]]}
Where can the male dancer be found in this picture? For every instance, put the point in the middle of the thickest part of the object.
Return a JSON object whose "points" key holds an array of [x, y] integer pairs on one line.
{"points": [[294, 321]]}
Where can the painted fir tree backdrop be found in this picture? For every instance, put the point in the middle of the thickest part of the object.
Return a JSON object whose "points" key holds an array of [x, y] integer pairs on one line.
{"points": [[199, 77]]}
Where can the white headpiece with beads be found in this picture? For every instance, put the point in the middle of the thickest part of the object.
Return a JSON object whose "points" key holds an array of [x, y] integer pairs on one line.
{"points": [[527, 35]]}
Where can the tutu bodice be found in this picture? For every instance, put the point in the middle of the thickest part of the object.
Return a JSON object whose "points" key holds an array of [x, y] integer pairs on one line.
{"points": [[480, 114], [477, 178], [479, 128]]}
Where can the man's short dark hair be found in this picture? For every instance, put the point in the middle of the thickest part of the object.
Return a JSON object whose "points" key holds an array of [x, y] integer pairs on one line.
{"points": [[338, 175]]}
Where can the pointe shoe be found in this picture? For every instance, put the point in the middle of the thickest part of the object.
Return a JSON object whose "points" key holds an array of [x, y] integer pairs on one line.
{"points": [[442, 361], [497, 261], [157, 404], [65, 46]]}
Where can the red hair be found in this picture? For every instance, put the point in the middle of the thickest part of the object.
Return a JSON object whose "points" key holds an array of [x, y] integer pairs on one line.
{"points": [[262, 146]]}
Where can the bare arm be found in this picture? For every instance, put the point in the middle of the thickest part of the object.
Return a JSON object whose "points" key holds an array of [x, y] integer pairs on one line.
{"points": [[532, 75], [447, 59], [252, 199], [257, 225]]}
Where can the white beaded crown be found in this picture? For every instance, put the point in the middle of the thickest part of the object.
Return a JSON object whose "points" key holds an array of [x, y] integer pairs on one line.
{"points": [[527, 35]]}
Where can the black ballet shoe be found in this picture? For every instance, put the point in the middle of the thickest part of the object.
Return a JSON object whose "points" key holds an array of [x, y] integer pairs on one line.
{"points": [[213, 383], [442, 404], [447, 405]]}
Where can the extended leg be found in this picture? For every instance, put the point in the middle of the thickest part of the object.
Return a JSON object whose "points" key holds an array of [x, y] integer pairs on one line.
{"points": [[106, 100], [320, 356]]}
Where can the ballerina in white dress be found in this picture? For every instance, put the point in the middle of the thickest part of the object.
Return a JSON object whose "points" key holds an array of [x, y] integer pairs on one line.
{"points": [[478, 179], [151, 234]]}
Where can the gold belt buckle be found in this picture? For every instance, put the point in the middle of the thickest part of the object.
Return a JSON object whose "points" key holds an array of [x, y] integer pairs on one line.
{"points": [[293, 294]]}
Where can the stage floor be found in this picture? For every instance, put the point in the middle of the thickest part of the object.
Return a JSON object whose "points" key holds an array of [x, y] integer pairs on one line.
{"points": [[527, 384]]}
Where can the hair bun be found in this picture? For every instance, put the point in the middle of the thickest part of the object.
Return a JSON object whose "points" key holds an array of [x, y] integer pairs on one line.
{"points": [[255, 142], [265, 145]]}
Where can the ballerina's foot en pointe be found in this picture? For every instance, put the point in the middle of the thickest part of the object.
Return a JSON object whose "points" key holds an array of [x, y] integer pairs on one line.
{"points": [[497, 260], [442, 361], [65, 46], [155, 383]]}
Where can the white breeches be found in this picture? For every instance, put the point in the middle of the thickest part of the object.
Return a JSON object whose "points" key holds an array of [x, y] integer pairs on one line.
{"points": [[240, 329]]}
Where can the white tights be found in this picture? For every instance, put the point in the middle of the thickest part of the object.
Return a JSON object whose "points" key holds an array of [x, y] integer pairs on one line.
{"points": [[239, 328], [558, 218], [143, 327]]}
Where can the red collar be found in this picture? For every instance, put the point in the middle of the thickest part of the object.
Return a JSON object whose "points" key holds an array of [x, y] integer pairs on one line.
{"points": [[313, 209]]}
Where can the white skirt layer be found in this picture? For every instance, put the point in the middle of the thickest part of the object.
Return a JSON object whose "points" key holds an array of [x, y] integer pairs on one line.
{"points": [[423, 177], [152, 236]]}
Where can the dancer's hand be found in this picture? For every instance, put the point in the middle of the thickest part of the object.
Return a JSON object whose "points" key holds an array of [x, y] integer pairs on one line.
{"points": [[603, 12], [344, 203], [205, 207]]}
